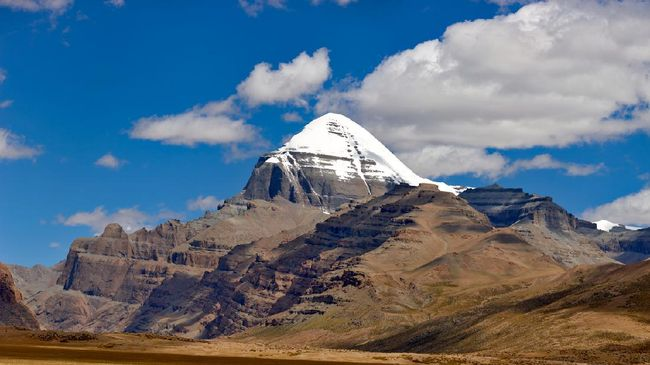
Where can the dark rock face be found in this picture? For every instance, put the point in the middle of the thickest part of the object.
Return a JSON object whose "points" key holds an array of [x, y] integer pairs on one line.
{"points": [[308, 185], [507, 206], [12, 311], [625, 245], [548, 226]]}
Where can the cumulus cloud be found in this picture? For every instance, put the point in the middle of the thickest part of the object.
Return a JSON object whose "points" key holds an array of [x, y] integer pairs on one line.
{"points": [[254, 7], [131, 219], [204, 203], [54, 6], [291, 117], [552, 74], [289, 83], [444, 160], [12, 147], [210, 124], [633, 209], [109, 161], [441, 160], [116, 3]]}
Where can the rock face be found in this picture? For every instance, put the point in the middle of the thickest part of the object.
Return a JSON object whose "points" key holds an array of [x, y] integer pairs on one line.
{"points": [[550, 227], [331, 162], [364, 270], [507, 206], [105, 279], [12, 311]]}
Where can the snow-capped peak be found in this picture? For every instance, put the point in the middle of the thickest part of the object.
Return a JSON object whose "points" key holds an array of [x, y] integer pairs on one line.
{"points": [[335, 142]]}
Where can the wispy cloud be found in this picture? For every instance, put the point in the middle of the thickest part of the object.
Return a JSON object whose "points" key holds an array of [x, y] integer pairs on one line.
{"points": [[210, 124], [54, 6], [110, 161], [13, 147], [204, 203], [116, 3], [131, 219], [292, 117], [5, 104], [254, 7], [445, 160]]}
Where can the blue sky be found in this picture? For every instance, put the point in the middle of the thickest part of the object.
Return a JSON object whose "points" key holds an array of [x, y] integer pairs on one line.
{"points": [[78, 78]]}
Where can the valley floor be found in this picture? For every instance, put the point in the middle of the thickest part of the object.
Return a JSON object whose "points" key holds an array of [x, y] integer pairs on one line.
{"points": [[54, 348]]}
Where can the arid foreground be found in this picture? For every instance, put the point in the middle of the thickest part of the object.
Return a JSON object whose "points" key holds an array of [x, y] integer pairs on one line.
{"points": [[18, 346]]}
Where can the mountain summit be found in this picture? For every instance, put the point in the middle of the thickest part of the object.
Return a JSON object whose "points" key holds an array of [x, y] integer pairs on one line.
{"points": [[331, 161]]}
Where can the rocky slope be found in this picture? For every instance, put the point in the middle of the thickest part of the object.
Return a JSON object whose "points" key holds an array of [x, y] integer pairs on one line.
{"points": [[12, 311], [542, 222], [105, 279], [594, 314], [332, 161], [378, 266]]}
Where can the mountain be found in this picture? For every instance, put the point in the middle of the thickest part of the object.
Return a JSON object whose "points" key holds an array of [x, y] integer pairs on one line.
{"points": [[332, 242], [12, 311], [105, 279], [569, 240], [332, 161], [388, 263]]}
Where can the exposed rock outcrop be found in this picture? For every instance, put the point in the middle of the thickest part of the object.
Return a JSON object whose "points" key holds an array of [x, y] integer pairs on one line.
{"points": [[542, 222], [105, 279], [12, 311]]}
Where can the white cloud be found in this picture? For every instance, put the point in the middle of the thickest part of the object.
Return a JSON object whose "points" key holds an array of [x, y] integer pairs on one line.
{"points": [[12, 147], [204, 203], [551, 74], [545, 161], [633, 209], [5, 104], [441, 161], [291, 117], [131, 219], [3, 75], [54, 245], [55, 6], [290, 83], [109, 161], [210, 124], [116, 3], [254, 7]]}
